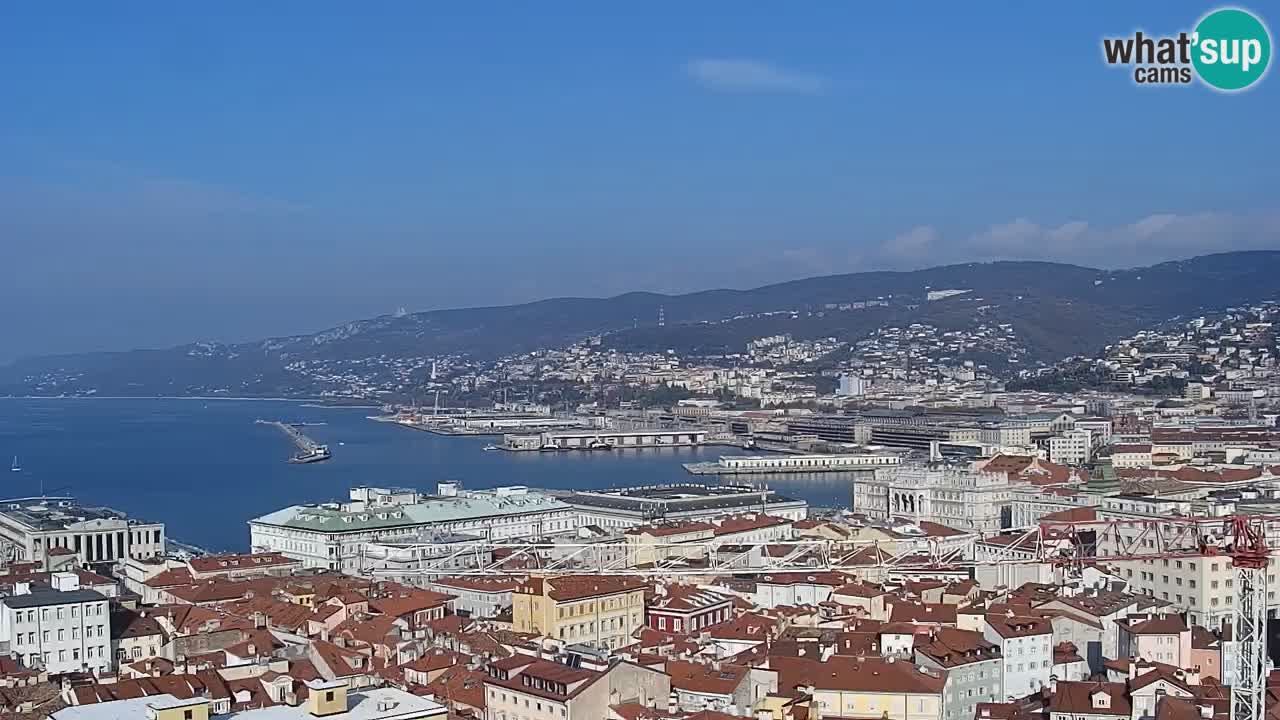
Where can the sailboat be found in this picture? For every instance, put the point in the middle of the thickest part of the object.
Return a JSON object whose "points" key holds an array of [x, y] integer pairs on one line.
{"points": [[15, 467]]}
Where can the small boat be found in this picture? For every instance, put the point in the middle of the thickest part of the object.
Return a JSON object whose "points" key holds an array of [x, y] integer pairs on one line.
{"points": [[492, 447], [550, 447], [15, 467]]}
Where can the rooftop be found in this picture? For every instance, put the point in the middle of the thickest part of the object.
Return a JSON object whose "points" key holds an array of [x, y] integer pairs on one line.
{"points": [[331, 518], [62, 513], [680, 498], [363, 705], [44, 598]]}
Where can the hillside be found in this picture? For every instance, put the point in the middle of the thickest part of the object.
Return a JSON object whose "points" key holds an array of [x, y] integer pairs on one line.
{"points": [[1056, 310]]}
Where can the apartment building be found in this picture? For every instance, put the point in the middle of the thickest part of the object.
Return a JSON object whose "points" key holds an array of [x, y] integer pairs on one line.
{"points": [[973, 666], [58, 629], [1073, 447], [870, 688], [521, 687], [1158, 637], [479, 597], [1202, 587], [1026, 644], [601, 611], [687, 608]]}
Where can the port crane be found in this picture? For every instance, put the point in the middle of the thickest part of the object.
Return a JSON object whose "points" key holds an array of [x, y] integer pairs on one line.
{"points": [[1246, 540]]}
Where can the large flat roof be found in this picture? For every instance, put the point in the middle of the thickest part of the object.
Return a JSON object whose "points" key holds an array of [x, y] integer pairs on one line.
{"points": [[679, 498], [61, 513], [435, 510], [45, 598]]}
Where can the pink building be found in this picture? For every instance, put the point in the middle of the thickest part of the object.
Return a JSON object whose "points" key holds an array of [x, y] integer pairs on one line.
{"points": [[1161, 637]]}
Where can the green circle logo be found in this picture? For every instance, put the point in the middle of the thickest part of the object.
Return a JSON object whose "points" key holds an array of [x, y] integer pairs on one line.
{"points": [[1232, 49]]}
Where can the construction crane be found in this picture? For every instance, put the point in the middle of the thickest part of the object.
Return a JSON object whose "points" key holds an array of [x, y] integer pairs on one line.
{"points": [[1246, 540]]}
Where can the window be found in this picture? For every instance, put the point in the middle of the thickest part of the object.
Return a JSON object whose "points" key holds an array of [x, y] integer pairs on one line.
{"points": [[328, 696]]}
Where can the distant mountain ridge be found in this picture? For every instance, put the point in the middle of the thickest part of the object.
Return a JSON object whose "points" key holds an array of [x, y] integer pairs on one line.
{"points": [[1056, 309]]}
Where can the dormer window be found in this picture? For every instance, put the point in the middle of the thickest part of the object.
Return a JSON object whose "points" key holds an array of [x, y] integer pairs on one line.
{"points": [[1101, 700]]}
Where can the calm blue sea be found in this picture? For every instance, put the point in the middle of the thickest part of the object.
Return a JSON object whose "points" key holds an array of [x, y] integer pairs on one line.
{"points": [[205, 468]]}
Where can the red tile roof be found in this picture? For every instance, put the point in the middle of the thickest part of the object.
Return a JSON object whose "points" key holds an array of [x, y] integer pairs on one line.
{"points": [[908, 612], [581, 587], [1018, 626], [1077, 698], [232, 562]]}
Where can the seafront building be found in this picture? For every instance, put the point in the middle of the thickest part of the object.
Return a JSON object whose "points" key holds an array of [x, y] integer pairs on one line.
{"points": [[632, 507], [808, 463], [33, 529], [333, 536], [955, 495]]}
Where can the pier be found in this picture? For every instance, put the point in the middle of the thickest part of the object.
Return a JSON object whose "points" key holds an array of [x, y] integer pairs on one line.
{"points": [[309, 450]]}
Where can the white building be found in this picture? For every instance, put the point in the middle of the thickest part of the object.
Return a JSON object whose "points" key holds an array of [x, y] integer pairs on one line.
{"points": [[1026, 644], [60, 630], [331, 536], [852, 386], [953, 495], [1032, 503], [1201, 586], [1073, 447], [31, 527], [632, 507], [479, 597]]}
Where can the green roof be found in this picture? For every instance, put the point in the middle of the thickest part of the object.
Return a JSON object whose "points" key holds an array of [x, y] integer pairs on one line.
{"points": [[330, 519]]}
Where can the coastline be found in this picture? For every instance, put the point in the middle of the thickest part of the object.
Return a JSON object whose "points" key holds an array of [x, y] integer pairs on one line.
{"points": [[315, 402]]}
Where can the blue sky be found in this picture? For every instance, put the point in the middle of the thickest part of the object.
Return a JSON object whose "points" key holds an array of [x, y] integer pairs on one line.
{"points": [[171, 172]]}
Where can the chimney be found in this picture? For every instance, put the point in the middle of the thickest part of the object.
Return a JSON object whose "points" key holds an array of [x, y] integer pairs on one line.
{"points": [[1053, 684]]}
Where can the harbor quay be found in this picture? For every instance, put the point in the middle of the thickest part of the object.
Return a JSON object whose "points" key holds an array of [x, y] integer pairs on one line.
{"points": [[749, 464], [603, 439]]}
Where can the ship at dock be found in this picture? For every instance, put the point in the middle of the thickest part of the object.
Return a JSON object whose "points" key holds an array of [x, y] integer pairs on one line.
{"points": [[318, 453]]}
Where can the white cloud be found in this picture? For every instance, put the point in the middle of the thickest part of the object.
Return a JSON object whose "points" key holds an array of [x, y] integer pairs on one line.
{"points": [[914, 244], [1146, 240], [739, 75]]}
